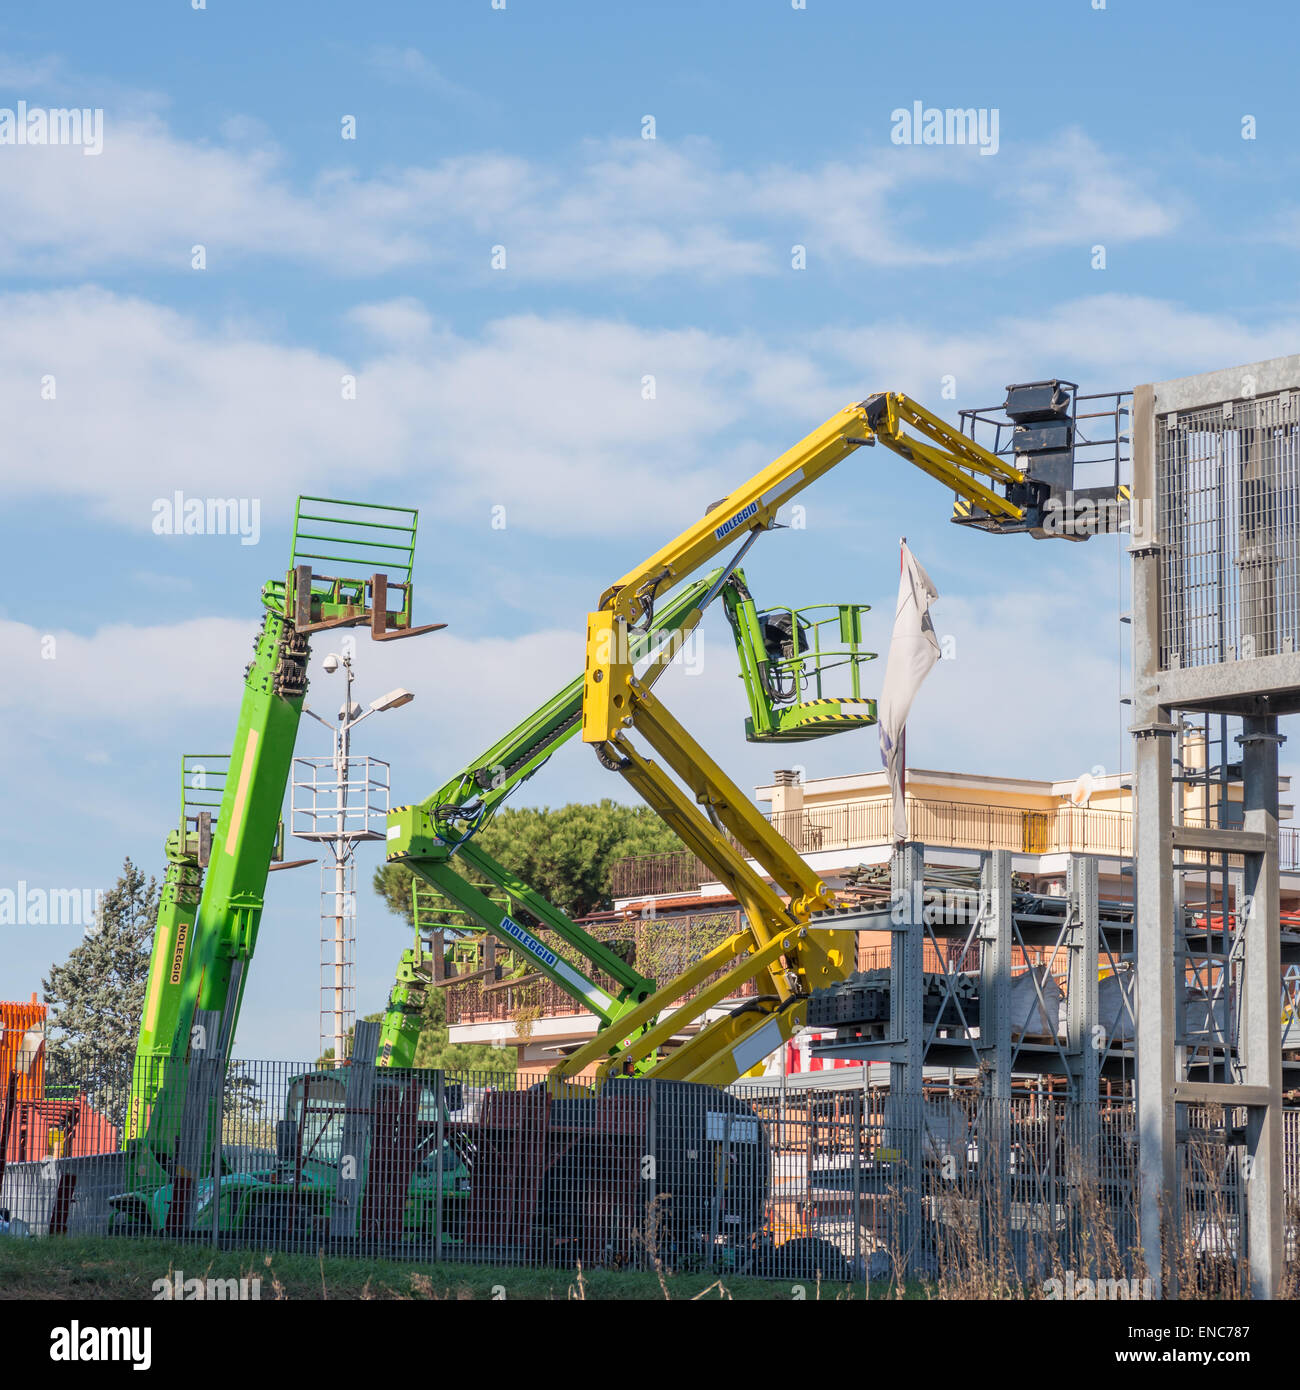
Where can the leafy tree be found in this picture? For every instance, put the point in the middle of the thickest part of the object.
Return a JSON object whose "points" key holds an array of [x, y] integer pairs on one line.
{"points": [[565, 853], [96, 997], [435, 1050]]}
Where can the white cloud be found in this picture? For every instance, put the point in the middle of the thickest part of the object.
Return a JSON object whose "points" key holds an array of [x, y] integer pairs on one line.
{"points": [[1108, 341], [405, 64], [625, 209], [1062, 192], [544, 416], [398, 323], [122, 674], [150, 196]]}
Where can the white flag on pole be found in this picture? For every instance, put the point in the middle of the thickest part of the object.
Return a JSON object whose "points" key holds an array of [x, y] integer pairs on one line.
{"points": [[913, 650]]}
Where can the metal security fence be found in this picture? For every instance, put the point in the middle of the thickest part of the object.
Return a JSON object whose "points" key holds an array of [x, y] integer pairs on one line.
{"points": [[1228, 519], [980, 1195], [1213, 1243], [838, 1183]]}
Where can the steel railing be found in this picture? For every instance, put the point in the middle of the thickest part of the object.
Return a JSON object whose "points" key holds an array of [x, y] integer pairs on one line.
{"points": [[966, 825]]}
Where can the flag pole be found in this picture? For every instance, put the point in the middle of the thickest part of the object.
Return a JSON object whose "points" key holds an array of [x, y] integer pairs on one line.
{"points": [[902, 739]]}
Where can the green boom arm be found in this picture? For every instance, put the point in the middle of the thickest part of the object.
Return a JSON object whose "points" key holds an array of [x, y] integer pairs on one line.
{"points": [[428, 836]]}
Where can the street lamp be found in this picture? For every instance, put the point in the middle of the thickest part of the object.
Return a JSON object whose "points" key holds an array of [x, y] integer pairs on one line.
{"points": [[342, 838], [395, 699]]}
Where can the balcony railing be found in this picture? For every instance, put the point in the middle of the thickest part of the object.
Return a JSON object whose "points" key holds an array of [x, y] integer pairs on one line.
{"points": [[645, 875], [660, 948], [968, 825], [958, 824]]}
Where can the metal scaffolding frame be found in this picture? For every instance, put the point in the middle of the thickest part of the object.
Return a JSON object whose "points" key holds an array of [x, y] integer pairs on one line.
{"points": [[1216, 590], [978, 935], [1008, 1026]]}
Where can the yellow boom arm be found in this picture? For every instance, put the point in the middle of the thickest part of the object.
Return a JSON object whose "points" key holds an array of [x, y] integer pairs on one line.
{"points": [[937, 449], [782, 949]]}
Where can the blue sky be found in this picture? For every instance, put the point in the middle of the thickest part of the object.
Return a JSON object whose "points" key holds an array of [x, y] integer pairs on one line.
{"points": [[479, 388]]}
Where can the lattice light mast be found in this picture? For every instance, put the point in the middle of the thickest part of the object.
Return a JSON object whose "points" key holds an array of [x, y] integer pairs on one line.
{"points": [[339, 802]]}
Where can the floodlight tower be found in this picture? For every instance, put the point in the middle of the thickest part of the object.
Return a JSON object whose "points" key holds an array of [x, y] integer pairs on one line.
{"points": [[338, 802]]}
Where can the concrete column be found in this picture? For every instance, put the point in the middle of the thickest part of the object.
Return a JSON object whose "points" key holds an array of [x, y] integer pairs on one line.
{"points": [[1261, 1009]]}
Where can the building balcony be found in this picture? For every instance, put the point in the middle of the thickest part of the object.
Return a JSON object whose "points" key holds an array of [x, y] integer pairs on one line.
{"points": [[850, 825]]}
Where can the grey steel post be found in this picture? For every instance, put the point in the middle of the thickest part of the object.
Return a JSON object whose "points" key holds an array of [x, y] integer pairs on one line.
{"points": [[858, 1118], [1085, 1042], [201, 1109], [650, 1170], [719, 1186], [907, 1033], [995, 973], [218, 1139], [440, 1173], [357, 1099], [1153, 753], [1261, 1008], [906, 971]]}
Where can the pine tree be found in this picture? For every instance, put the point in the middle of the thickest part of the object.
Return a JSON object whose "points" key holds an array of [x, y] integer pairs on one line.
{"points": [[565, 852], [96, 997]]}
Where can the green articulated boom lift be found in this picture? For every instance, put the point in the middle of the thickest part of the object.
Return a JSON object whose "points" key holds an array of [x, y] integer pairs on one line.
{"points": [[207, 934], [784, 655]]}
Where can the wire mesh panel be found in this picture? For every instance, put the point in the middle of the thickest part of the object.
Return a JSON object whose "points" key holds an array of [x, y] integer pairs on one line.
{"points": [[973, 1197], [1228, 516], [1212, 1240]]}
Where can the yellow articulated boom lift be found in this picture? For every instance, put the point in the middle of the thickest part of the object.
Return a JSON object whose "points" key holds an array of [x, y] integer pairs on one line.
{"points": [[790, 945]]}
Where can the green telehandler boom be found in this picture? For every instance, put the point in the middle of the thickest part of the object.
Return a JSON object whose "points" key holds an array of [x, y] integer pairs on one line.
{"points": [[188, 849], [202, 953]]}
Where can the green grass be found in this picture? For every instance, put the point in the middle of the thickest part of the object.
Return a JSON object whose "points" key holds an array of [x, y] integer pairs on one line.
{"points": [[91, 1268]]}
